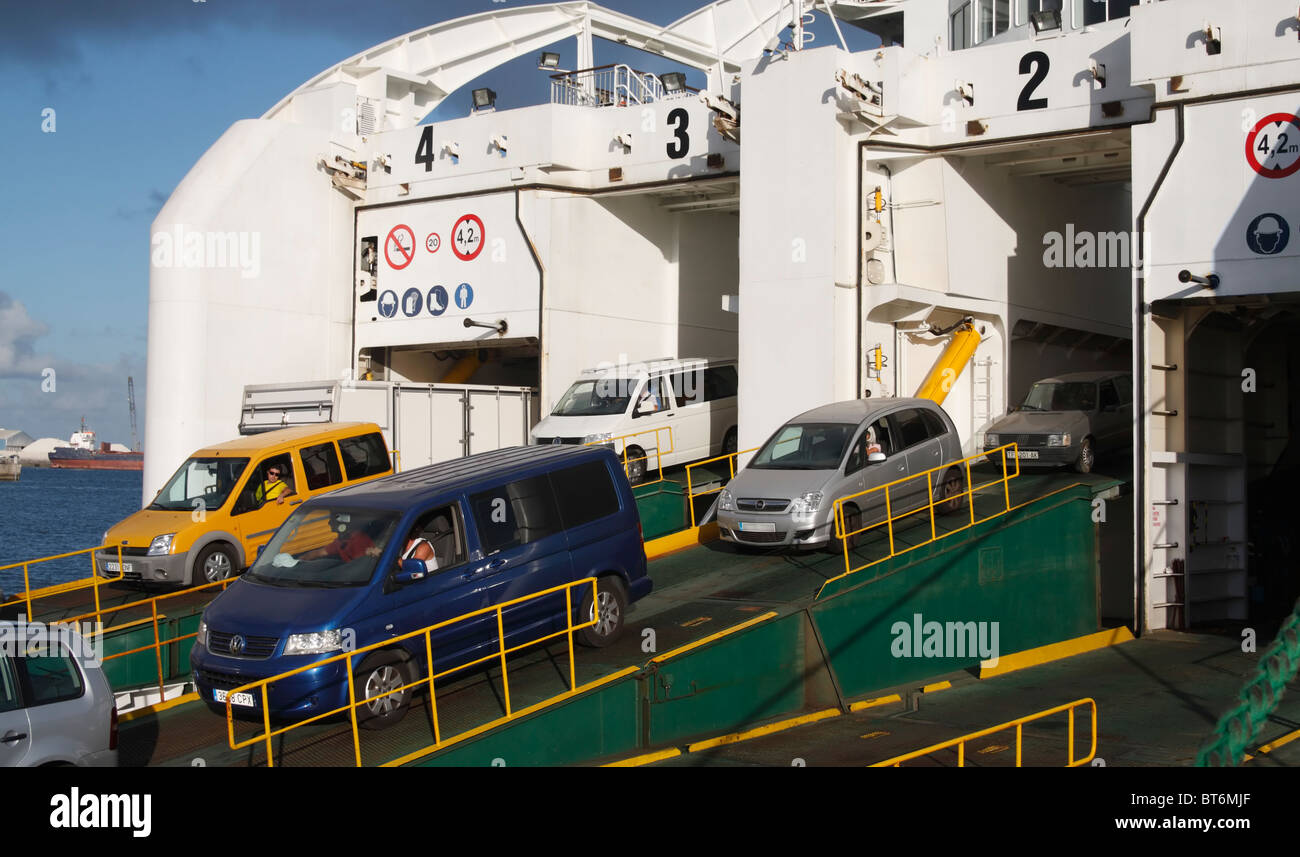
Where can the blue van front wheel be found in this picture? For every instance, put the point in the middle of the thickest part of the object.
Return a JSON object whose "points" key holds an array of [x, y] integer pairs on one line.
{"points": [[375, 686], [608, 612]]}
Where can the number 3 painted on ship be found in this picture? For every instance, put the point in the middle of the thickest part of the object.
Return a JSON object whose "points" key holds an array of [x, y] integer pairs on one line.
{"points": [[681, 142]]}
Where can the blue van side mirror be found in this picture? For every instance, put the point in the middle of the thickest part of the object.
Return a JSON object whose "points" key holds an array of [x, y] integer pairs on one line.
{"points": [[411, 570]]}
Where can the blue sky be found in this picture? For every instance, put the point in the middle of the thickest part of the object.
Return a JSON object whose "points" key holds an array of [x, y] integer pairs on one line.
{"points": [[140, 89]]}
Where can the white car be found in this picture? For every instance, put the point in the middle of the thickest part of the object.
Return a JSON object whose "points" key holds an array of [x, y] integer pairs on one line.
{"points": [[692, 401], [56, 706]]}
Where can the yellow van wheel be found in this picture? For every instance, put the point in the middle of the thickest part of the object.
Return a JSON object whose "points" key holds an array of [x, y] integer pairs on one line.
{"points": [[215, 562]]}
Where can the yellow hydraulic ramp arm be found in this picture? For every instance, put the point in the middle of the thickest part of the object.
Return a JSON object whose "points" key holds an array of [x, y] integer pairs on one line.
{"points": [[965, 339]]}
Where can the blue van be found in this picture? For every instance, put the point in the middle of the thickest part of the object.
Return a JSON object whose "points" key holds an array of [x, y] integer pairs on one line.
{"points": [[392, 556]]}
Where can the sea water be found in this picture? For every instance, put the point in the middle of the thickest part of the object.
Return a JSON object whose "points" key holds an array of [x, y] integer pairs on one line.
{"points": [[48, 512]]}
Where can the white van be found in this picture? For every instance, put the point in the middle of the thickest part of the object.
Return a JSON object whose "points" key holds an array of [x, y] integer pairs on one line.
{"points": [[695, 398]]}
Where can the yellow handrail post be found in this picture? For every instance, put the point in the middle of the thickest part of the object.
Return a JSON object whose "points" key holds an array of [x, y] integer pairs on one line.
{"points": [[157, 651], [889, 520], [971, 485], [501, 636], [1006, 480], [961, 754], [352, 711], [568, 615], [27, 591], [433, 701], [1020, 728], [690, 496], [266, 722], [1069, 749], [929, 490]]}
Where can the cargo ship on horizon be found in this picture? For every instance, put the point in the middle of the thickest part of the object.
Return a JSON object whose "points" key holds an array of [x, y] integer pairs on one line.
{"points": [[83, 454]]}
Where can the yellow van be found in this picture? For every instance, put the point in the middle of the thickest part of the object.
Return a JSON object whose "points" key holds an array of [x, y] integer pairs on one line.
{"points": [[226, 501]]}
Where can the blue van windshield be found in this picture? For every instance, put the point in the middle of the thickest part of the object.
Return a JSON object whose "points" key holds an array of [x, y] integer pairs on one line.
{"points": [[324, 547]]}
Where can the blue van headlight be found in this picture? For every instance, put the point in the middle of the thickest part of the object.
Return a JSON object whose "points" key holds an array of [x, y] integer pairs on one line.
{"points": [[316, 643], [202, 638]]}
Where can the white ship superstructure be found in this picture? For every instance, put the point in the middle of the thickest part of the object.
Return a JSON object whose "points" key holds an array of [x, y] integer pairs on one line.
{"points": [[1094, 185]]}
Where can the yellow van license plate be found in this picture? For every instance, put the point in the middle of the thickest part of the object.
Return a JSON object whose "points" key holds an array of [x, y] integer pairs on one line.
{"points": [[241, 699], [112, 566]]}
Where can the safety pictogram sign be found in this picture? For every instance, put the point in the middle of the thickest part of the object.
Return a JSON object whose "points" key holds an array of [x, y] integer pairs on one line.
{"points": [[1273, 146], [467, 237], [399, 247]]}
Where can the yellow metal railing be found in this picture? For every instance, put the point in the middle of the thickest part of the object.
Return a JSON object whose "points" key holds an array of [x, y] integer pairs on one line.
{"points": [[94, 581], [1018, 724], [158, 643], [1007, 454], [659, 451], [501, 653], [691, 493]]}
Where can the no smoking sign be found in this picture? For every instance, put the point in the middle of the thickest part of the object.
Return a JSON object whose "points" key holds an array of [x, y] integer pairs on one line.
{"points": [[1273, 146], [399, 247]]}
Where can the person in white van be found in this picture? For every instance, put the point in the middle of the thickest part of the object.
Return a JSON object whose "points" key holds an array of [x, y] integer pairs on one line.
{"points": [[692, 403]]}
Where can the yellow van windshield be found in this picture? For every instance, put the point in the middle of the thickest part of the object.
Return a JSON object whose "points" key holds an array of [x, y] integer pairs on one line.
{"points": [[200, 483]]}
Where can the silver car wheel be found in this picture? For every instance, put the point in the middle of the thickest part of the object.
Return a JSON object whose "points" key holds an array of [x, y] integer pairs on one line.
{"points": [[382, 680]]}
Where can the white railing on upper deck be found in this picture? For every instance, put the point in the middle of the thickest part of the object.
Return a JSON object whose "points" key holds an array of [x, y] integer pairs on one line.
{"points": [[610, 86]]}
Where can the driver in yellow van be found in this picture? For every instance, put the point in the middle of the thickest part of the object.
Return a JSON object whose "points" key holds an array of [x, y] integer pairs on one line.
{"points": [[274, 488]]}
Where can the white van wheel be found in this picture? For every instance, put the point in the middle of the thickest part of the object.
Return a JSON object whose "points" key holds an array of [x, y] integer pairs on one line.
{"points": [[636, 464], [729, 441]]}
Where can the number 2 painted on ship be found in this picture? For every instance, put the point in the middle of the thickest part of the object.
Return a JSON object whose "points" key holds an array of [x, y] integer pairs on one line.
{"points": [[1041, 63], [681, 142]]}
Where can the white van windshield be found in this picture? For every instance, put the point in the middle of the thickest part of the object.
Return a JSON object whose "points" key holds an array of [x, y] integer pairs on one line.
{"points": [[596, 397], [325, 547]]}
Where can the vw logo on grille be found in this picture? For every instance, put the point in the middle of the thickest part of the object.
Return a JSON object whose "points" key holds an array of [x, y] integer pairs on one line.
{"points": [[555, 441], [759, 505], [236, 644]]}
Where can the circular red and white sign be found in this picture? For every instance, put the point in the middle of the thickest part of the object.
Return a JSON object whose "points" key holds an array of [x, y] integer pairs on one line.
{"points": [[433, 242], [1273, 146], [399, 247], [467, 237]]}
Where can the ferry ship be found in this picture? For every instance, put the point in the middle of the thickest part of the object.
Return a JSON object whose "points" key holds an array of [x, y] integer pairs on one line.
{"points": [[997, 193]]}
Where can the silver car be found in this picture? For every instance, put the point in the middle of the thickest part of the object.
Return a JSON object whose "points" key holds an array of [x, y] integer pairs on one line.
{"points": [[786, 494], [56, 706]]}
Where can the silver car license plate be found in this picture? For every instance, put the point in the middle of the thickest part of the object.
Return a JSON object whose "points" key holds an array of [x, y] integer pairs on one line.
{"points": [[757, 528]]}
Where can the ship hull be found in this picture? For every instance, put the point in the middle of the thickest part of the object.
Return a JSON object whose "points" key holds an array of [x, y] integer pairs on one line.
{"points": [[99, 461]]}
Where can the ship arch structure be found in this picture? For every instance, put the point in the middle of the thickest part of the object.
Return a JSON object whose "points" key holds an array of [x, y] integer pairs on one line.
{"points": [[1105, 190]]}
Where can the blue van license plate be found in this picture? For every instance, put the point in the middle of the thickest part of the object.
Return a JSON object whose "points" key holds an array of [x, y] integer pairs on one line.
{"points": [[241, 699]]}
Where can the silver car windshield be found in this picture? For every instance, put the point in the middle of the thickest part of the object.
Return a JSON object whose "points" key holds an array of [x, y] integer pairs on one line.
{"points": [[805, 446], [597, 397], [325, 547], [1061, 396]]}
